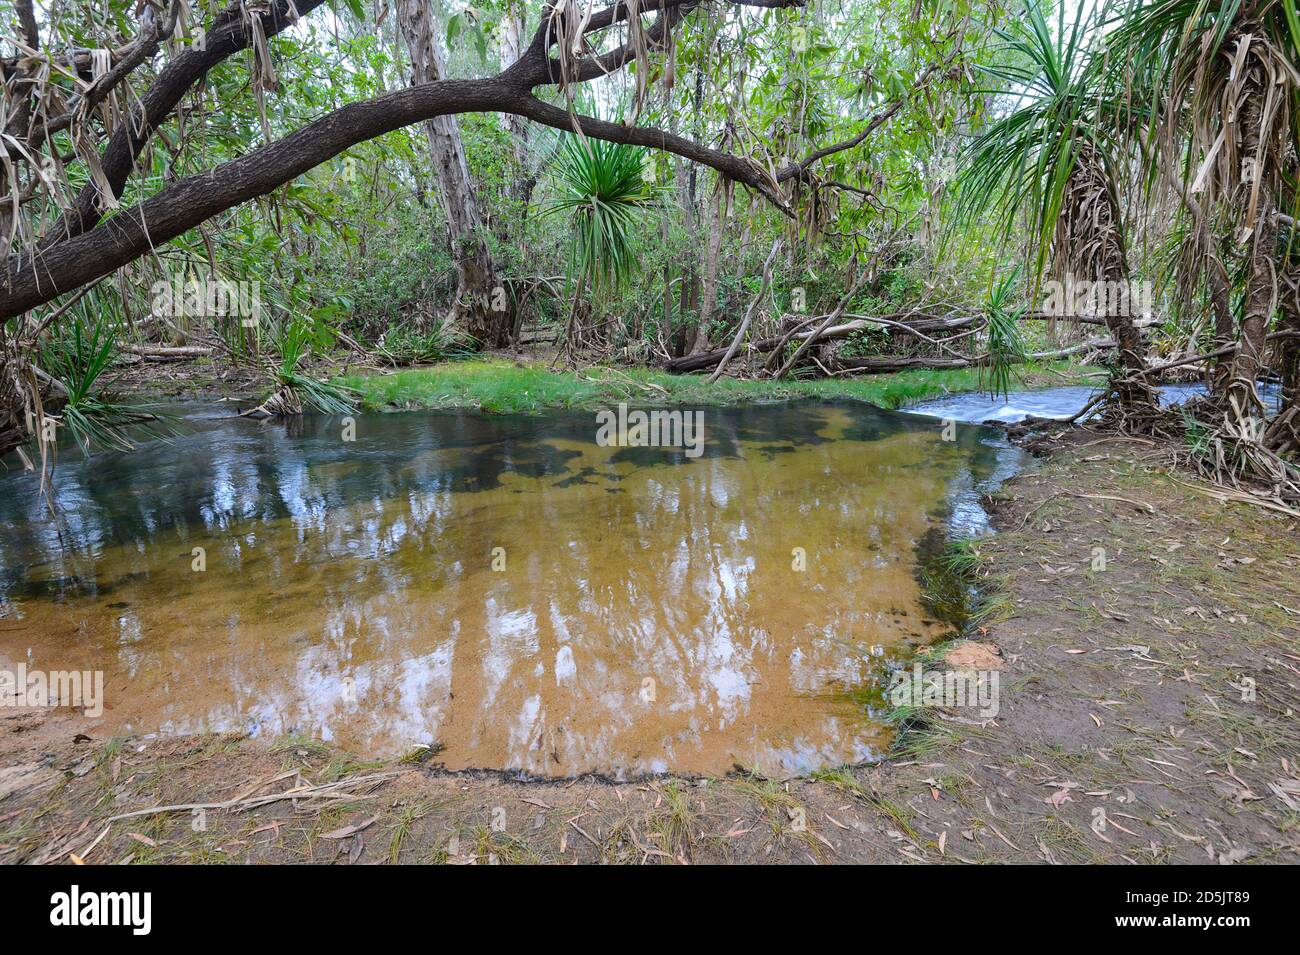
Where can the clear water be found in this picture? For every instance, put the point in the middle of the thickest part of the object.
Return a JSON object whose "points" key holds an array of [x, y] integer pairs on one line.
{"points": [[648, 614]]}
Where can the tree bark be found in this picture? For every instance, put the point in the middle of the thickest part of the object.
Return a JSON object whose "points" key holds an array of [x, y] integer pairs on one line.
{"points": [[1216, 277], [1091, 239], [512, 47], [1261, 283], [481, 305], [666, 320], [1283, 434], [708, 303], [1133, 388], [1208, 264]]}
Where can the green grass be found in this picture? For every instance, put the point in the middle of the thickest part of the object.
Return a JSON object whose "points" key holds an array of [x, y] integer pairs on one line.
{"points": [[504, 387]]}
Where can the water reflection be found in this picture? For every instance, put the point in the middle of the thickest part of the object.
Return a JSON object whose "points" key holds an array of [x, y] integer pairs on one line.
{"points": [[647, 617]]}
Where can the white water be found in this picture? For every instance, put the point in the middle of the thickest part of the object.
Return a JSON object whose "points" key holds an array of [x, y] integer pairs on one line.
{"points": [[1054, 403]]}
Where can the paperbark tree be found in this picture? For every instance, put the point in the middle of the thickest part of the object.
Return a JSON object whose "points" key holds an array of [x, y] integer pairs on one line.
{"points": [[513, 38], [719, 203], [481, 305]]}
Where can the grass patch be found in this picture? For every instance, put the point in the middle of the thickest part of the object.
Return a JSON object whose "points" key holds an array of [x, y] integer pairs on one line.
{"points": [[843, 779], [670, 826], [505, 387]]}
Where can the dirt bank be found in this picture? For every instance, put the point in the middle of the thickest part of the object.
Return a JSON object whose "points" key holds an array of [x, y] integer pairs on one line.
{"points": [[1147, 714]]}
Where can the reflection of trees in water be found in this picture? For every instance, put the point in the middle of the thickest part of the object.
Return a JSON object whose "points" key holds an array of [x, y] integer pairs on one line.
{"points": [[373, 560], [233, 471]]}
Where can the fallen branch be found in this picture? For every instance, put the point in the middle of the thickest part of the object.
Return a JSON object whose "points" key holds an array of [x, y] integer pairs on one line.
{"points": [[922, 330], [830, 320], [1224, 495], [749, 314], [168, 352], [325, 791], [881, 365]]}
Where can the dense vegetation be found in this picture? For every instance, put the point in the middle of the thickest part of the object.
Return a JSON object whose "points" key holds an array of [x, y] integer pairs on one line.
{"points": [[761, 188]]}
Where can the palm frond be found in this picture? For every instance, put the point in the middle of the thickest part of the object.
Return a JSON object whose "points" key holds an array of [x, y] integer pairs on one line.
{"points": [[604, 191], [1024, 161], [1006, 346], [78, 358]]}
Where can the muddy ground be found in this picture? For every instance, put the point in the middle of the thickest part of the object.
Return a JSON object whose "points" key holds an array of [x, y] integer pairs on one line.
{"points": [[1148, 713]]}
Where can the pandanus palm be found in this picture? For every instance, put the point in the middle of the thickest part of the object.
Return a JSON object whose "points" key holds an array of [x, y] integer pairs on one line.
{"points": [[1221, 83], [603, 191], [1050, 160]]}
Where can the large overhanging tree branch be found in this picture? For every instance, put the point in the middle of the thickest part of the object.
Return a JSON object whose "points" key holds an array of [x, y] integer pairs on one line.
{"points": [[83, 246], [230, 32]]}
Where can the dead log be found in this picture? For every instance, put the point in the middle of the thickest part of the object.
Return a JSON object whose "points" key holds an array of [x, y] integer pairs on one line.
{"points": [[896, 321], [168, 352], [878, 366], [765, 345], [710, 359], [859, 323], [821, 329]]}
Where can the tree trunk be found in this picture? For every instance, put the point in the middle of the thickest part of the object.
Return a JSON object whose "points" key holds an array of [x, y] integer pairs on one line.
{"points": [[1283, 433], [1261, 284], [687, 196], [709, 297], [1132, 387], [1217, 279], [513, 41], [666, 322], [13, 405], [1091, 240], [481, 305]]}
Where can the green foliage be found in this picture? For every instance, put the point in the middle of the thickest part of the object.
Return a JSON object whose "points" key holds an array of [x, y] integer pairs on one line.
{"points": [[78, 357], [1024, 160], [1006, 347], [294, 343], [604, 193], [1196, 436], [408, 344], [360, 242]]}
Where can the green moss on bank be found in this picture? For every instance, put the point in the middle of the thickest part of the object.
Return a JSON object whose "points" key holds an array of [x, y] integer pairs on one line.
{"points": [[504, 387]]}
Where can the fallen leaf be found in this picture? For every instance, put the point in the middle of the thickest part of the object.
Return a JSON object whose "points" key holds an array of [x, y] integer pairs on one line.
{"points": [[351, 830]]}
